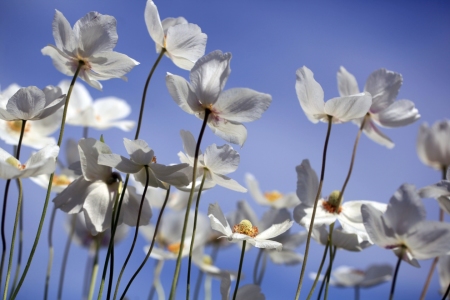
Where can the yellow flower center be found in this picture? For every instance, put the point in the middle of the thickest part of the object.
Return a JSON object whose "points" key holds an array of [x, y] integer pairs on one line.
{"points": [[15, 163], [16, 126], [333, 205], [207, 260], [246, 227], [273, 196], [61, 180], [174, 248]]}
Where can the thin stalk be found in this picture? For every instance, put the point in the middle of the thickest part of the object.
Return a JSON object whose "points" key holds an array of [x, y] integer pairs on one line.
{"points": [[85, 131], [391, 295], [87, 273], [50, 252], [50, 183], [357, 292], [327, 273], [263, 269], [13, 239], [319, 190], [240, 269], [144, 95], [331, 260], [66, 256], [324, 256], [255, 269], [208, 286], [94, 267], [151, 245], [157, 286], [191, 248], [135, 233], [446, 293], [19, 256], [191, 195]]}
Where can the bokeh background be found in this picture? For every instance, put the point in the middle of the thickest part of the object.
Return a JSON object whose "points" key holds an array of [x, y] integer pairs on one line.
{"points": [[269, 41]]}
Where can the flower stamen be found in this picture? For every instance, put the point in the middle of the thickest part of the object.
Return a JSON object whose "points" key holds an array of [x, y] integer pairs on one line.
{"points": [[273, 196], [246, 227]]}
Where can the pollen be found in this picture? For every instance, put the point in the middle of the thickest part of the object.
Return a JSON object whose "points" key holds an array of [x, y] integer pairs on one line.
{"points": [[16, 126], [246, 227], [154, 159], [15, 163], [174, 248], [61, 180], [207, 260], [331, 208], [273, 196]]}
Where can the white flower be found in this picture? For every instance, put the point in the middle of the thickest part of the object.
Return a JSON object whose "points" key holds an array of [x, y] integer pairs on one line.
{"points": [[433, 144], [103, 113], [383, 85], [227, 109], [183, 42], [246, 292], [8, 93], [245, 231], [341, 239], [439, 191], [341, 109], [90, 42], [42, 162], [216, 162], [403, 228], [274, 199]]}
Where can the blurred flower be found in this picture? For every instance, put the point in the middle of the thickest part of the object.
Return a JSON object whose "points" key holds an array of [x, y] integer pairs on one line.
{"points": [[433, 144], [90, 42], [444, 273], [103, 113], [246, 292], [41, 162], [95, 191], [341, 239], [341, 109], [245, 231], [274, 199], [216, 162], [142, 156], [403, 228], [8, 92], [227, 109], [183, 42], [439, 191], [383, 85]]}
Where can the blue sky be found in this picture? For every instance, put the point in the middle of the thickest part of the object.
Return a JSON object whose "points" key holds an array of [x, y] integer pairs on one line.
{"points": [[269, 41]]}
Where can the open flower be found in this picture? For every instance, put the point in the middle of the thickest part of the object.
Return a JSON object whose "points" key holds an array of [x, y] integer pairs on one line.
{"points": [[183, 42], [341, 109], [41, 162], [383, 85], [226, 109], [433, 144], [90, 42], [245, 231], [403, 228]]}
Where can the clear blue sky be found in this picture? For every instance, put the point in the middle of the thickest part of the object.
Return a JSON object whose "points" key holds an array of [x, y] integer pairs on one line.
{"points": [[269, 41]]}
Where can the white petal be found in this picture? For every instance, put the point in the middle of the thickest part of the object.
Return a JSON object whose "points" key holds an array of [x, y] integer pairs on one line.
{"points": [[274, 230], [307, 183], [429, 239], [62, 33], [253, 187], [303, 215], [119, 162], [433, 144], [98, 208], [27, 103], [378, 227], [218, 220], [372, 132], [89, 150], [169, 22], [347, 83], [399, 113], [383, 85], [227, 183], [62, 62], [7, 170], [42, 162], [139, 151], [221, 160], [436, 190], [170, 174], [182, 93], [376, 274], [285, 257], [189, 144], [260, 243], [106, 65], [347, 108], [130, 208], [309, 93], [153, 22], [231, 132], [71, 200], [109, 109]]}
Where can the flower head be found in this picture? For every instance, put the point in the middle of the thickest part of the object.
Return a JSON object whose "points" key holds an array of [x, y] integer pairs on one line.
{"points": [[89, 43], [204, 95], [439, 191], [433, 144]]}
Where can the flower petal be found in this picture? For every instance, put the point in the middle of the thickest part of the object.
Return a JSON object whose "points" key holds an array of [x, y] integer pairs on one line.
{"points": [[62, 33], [90, 149], [107, 65], [170, 174], [62, 62], [372, 132], [383, 85], [399, 113], [227, 182], [218, 220], [119, 162], [71, 199], [307, 183], [429, 239], [231, 132], [378, 228], [274, 230], [347, 83], [27, 104], [139, 151], [347, 108], [153, 22], [98, 207], [221, 160], [309, 93], [182, 94], [41, 162]]}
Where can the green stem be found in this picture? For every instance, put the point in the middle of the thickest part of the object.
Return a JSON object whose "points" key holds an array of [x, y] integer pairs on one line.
{"points": [[49, 188], [50, 252], [255, 268], [191, 248], [319, 190], [191, 195], [263, 269], [391, 295], [66, 256], [327, 273], [95, 267], [357, 292], [13, 239], [19, 256], [446, 292], [330, 267], [324, 256], [240, 269]]}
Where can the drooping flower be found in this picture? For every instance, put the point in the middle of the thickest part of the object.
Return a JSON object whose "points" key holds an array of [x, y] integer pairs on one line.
{"points": [[90, 42], [216, 162], [183, 42], [226, 109], [100, 114], [403, 228], [341, 109], [433, 144], [439, 191], [143, 156], [245, 231], [383, 85], [274, 199]]}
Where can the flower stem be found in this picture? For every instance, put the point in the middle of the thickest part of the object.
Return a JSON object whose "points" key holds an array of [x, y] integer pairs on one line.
{"points": [[324, 256], [319, 190], [391, 295], [95, 267], [66, 256], [135, 233], [191, 195], [157, 286], [215, 250], [144, 95], [263, 269], [50, 183], [13, 239], [244, 243], [255, 268], [357, 290], [50, 252], [151, 245], [330, 267], [191, 247], [446, 293], [327, 273], [19, 256]]}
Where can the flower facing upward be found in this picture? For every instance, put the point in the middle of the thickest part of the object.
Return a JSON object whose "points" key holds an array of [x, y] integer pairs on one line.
{"points": [[90, 42], [227, 109], [433, 144], [383, 85], [183, 42]]}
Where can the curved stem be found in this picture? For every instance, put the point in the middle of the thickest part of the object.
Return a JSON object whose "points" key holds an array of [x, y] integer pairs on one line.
{"points": [[330, 267], [255, 268], [87, 273], [391, 295], [66, 256], [94, 267], [327, 273], [151, 245], [357, 290], [50, 183], [324, 256], [263, 269], [240, 269], [191, 195], [319, 190], [13, 239], [135, 233], [446, 293], [144, 94], [50, 252], [191, 247], [19, 256]]}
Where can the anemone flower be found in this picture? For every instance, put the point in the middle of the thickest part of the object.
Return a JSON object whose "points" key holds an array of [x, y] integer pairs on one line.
{"points": [[433, 144]]}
